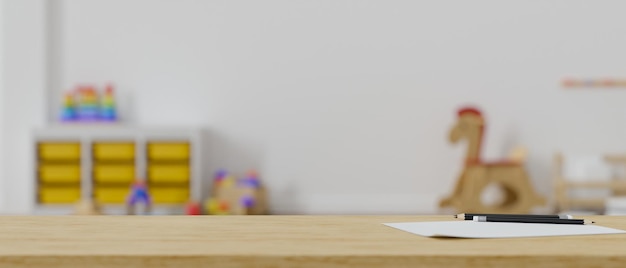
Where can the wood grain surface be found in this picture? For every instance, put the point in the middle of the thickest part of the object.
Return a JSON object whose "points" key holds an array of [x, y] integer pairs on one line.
{"points": [[284, 241]]}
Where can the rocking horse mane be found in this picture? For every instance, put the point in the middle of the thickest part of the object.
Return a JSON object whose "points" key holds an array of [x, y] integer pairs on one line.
{"points": [[474, 159], [469, 110]]}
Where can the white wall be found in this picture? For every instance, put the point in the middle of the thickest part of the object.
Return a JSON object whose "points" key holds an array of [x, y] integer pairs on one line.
{"points": [[24, 97], [344, 106], [2, 181]]}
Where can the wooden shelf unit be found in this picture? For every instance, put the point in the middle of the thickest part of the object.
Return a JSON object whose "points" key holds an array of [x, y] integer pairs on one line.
{"points": [[564, 201], [100, 161]]}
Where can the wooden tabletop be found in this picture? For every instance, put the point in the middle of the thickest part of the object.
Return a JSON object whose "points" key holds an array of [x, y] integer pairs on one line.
{"points": [[284, 241]]}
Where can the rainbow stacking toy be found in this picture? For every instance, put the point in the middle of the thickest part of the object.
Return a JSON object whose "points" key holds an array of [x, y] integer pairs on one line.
{"points": [[107, 108]]}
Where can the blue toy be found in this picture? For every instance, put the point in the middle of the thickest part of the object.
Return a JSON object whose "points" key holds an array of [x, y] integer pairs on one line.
{"points": [[138, 194]]}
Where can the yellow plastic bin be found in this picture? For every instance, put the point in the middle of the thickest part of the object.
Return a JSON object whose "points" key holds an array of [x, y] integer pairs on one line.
{"points": [[111, 195], [59, 194], [114, 151], [169, 195], [52, 173], [56, 151], [110, 173], [172, 173], [168, 151]]}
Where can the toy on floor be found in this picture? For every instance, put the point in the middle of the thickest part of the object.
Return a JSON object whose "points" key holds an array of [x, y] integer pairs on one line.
{"points": [[230, 196], [519, 195], [138, 195], [193, 208]]}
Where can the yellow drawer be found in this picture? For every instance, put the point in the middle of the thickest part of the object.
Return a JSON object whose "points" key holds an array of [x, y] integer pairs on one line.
{"points": [[49, 173], [114, 173], [168, 173], [111, 195], [169, 195], [168, 151], [59, 195], [114, 151], [59, 151]]}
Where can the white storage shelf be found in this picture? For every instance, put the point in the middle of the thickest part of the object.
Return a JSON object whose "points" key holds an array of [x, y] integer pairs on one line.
{"points": [[86, 136]]}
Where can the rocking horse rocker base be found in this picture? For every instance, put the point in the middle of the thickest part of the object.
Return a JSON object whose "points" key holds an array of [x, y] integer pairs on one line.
{"points": [[519, 196]]}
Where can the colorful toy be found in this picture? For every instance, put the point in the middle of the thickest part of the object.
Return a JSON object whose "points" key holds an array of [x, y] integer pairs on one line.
{"points": [[220, 175], [107, 110], [87, 108], [519, 196], [68, 112], [138, 194], [193, 208], [593, 83], [230, 196], [85, 105]]}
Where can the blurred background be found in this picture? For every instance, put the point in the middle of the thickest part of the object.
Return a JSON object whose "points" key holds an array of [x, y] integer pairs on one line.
{"points": [[339, 107]]}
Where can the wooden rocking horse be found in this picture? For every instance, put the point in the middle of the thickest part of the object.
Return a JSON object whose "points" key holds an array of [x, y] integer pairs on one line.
{"points": [[518, 194]]}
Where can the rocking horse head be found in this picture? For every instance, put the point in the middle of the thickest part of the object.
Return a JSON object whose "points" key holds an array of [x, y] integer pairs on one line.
{"points": [[469, 126]]}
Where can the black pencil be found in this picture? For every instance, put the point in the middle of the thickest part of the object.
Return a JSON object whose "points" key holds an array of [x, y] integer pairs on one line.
{"points": [[470, 216], [531, 220]]}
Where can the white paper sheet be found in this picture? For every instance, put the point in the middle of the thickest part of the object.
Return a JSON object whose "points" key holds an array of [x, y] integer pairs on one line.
{"points": [[472, 229]]}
